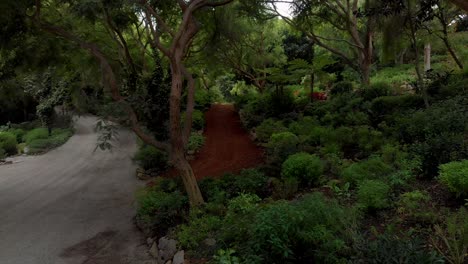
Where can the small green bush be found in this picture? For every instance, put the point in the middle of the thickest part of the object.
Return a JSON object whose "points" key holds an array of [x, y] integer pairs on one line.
{"points": [[388, 248], [202, 99], [436, 134], [451, 239], [309, 230], [196, 141], [249, 181], [267, 128], [37, 133], [373, 194], [198, 120], [303, 126], [19, 133], [149, 157], [2, 153], [8, 143], [319, 135], [414, 206], [341, 88], [375, 90], [454, 176], [280, 146], [284, 188], [161, 210], [58, 138], [39, 145], [303, 166], [372, 168], [192, 234]]}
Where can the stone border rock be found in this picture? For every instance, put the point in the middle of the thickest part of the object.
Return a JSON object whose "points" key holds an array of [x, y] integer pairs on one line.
{"points": [[165, 251]]}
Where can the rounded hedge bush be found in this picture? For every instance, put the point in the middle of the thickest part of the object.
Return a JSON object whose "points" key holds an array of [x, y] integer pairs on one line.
{"points": [[37, 133], [281, 145], [267, 128], [373, 194], [303, 166], [454, 175], [8, 143]]}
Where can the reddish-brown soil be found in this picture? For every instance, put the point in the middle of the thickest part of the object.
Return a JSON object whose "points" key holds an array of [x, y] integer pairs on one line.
{"points": [[228, 147]]}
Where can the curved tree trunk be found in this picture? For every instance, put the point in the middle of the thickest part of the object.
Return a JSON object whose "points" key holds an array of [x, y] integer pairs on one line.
{"points": [[177, 153], [452, 52]]}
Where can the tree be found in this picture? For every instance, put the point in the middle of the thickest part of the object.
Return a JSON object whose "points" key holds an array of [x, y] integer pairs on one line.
{"points": [[246, 46], [346, 23], [170, 27], [444, 13]]}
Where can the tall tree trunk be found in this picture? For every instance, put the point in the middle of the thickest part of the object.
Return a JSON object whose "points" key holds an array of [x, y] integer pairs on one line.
{"points": [[421, 86], [177, 153], [427, 57], [366, 54], [452, 52]]}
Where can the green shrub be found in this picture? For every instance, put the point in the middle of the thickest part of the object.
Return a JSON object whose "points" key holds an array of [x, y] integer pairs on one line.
{"points": [[198, 120], [414, 206], [319, 135], [280, 146], [267, 128], [8, 143], [341, 88], [436, 134], [2, 153], [388, 248], [451, 239], [383, 108], [161, 210], [196, 141], [309, 230], [303, 126], [376, 89], [149, 157], [19, 133], [372, 168], [39, 145], [284, 188], [303, 166], [369, 140], [454, 176], [249, 181], [191, 235], [202, 99], [226, 257], [37, 133], [252, 114], [58, 137], [373, 194]]}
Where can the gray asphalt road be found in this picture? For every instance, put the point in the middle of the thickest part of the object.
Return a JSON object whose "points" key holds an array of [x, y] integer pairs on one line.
{"points": [[71, 205]]}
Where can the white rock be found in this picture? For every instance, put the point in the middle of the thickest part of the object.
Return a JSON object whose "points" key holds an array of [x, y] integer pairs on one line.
{"points": [[154, 250], [167, 248], [178, 258], [149, 241]]}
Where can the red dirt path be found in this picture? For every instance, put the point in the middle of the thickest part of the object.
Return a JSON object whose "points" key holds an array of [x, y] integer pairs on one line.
{"points": [[228, 147]]}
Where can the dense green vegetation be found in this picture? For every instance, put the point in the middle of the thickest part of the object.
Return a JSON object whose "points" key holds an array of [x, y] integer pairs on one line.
{"points": [[361, 108]]}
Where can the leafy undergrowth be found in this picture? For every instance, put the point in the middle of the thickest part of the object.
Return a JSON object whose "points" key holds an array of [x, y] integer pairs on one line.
{"points": [[39, 141], [364, 177]]}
